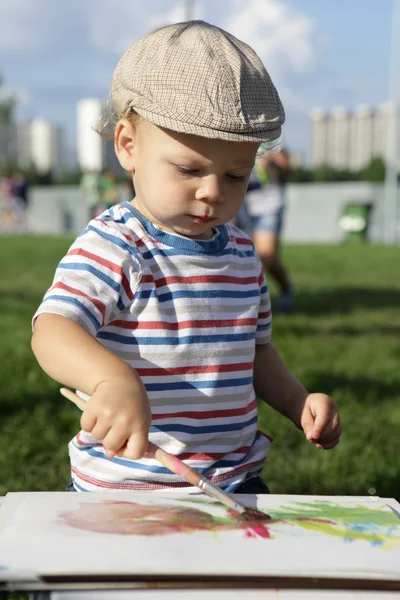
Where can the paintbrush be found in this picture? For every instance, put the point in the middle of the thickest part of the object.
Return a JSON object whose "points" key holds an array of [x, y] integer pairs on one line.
{"points": [[178, 467]]}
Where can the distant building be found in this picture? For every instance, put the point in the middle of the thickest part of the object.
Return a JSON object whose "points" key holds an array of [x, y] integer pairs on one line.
{"points": [[337, 142], [350, 139], [90, 147], [319, 122], [361, 153], [380, 127], [94, 153], [46, 147], [39, 144]]}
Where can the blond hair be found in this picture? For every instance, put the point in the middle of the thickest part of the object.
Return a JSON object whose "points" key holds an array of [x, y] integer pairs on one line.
{"points": [[109, 118]]}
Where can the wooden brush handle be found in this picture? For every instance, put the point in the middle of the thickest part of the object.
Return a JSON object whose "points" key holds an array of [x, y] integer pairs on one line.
{"points": [[73, 397], [175, 465]]}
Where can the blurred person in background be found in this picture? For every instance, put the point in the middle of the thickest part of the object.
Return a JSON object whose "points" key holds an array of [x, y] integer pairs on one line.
{"points": [[19, 197], [5, 204], [14, 190], [91, 188], [266, 204], [243, 218]]}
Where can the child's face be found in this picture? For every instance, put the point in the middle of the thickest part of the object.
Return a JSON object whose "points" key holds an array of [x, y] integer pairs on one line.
{"points": [[187, 184]]}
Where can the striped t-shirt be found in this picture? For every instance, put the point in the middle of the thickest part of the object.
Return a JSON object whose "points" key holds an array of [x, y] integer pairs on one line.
{"points": [[187, 315]]}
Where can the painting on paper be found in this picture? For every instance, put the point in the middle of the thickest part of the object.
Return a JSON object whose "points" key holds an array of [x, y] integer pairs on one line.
{"points": [[155, 533]]}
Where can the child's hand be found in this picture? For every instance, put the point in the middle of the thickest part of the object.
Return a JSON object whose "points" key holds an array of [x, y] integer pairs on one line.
{"points": [[320, 421], [118, 413]]}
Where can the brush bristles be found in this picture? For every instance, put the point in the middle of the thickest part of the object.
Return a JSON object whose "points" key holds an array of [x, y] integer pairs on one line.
{"points": [[252, 514]]}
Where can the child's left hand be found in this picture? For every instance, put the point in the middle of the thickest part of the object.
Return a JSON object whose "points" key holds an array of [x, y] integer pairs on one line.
{"points": [[320, 421]]}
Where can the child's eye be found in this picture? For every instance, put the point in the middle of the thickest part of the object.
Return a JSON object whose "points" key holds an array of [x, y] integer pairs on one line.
{"points": [[235, 178], [186, 171]]}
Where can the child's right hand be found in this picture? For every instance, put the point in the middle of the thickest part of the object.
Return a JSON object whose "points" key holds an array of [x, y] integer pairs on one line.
{"points": [[118, 413]]}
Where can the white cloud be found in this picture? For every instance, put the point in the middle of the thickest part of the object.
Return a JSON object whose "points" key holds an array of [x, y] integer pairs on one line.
{"points": [[287, 42], [112, 32], [281, 36]]}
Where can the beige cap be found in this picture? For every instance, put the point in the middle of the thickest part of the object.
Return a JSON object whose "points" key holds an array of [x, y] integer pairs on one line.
{"points": [[196, 78]]}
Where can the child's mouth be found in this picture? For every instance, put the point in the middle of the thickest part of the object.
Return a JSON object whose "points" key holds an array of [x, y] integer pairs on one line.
{"points": [[203, 219]]}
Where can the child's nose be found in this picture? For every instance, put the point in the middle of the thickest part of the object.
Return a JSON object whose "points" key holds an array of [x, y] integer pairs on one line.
{"points": [[210, 191]]}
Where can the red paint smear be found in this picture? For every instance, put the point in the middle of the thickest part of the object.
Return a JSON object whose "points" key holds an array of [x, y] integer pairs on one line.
{"points": [[129, 518], [257, 530]]}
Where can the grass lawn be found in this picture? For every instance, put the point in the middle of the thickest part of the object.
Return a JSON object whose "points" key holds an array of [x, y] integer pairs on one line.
{"points": [[344, 340]]}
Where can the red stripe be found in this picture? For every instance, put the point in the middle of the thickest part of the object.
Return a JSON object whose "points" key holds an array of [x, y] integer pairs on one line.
{"points": [[265, 435], [97, 303], [261, 279], [193, 370], [264, 315], [79, 441], [213, 455], [162, 281], [105, 263], [98, 259], [126, 286], [199, 324], [127, 486], [209, 414], [126, 236], [243, 241]]}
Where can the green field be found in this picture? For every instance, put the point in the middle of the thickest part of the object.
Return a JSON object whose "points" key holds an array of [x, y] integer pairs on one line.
{"points": [[344, 340]]}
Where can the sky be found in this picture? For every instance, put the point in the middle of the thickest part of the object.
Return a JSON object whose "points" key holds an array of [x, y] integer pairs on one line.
{"points": [[319, 53]]}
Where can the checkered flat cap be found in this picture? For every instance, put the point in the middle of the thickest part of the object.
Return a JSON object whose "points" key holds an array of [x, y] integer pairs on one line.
{"points": [[196, 78]]}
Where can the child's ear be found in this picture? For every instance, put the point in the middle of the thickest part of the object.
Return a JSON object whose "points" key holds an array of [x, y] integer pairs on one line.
{"points": [[125, 144]]}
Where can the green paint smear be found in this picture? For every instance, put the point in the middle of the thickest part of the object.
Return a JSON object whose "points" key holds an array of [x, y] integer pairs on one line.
{"points": [[331, 511], [378, 526]]}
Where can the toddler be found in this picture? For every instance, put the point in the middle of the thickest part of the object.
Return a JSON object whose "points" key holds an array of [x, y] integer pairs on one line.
{"points": [[159, 313]]}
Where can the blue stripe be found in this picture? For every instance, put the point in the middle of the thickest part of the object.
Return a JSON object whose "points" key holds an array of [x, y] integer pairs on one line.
{"points": [[198, 385], [89, 269], [120, 305], [78, 304], [125, 462], [175, 341], [173, 252], [264, 327], [78, 487], [212, 293], [197, 430], [113, 239], [185, 246]]}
